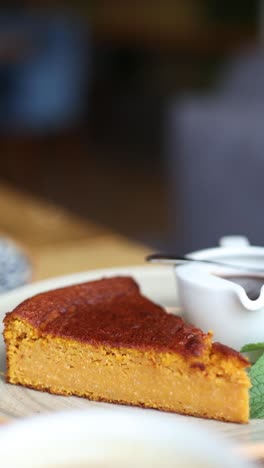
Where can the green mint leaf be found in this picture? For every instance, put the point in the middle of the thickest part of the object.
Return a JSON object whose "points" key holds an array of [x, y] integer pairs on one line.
{"points": [[257, 390], [252, 347]]}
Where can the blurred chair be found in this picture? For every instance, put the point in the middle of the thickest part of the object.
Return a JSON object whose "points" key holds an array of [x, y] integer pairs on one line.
{"points": [[215, 170], [243, 75], [43, 78]]}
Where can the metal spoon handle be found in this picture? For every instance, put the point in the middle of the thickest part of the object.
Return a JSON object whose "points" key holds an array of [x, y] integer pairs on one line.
{"points": [[177, 260], [168, 259]]}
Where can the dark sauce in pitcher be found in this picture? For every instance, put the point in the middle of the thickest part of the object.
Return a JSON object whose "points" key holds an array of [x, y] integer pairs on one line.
{"points": [[251, 284]]}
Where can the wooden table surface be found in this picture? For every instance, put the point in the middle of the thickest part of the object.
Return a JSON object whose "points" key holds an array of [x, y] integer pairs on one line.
{"points": [[59, 242]]}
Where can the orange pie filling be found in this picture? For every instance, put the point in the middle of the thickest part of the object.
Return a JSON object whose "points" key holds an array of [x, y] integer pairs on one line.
{"points": [[211, 385]]}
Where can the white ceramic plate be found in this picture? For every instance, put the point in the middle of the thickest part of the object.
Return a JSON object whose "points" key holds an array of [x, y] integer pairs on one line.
{"points": [[158, 283]]}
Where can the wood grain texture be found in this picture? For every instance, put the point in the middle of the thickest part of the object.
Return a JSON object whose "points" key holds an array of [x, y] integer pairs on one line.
{"points": [[60, 242], [36, 223], [105, 251]]}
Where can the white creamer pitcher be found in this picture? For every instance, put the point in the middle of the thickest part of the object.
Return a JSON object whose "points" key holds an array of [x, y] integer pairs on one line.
{"points": [[214, 303]]}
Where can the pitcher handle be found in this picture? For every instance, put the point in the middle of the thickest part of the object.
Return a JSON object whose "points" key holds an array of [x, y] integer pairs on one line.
{"points": [[234, 241]]}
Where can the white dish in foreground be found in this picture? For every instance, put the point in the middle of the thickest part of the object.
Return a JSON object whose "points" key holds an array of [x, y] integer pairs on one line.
{"points": [[113, 439], [158, 283]]}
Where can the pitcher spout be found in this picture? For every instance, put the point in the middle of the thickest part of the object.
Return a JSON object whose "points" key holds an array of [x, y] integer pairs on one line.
{"points": [[247, 302]]}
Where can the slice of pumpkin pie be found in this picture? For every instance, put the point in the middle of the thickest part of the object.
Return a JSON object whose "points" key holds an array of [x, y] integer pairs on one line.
{"points": [[104, 341]]}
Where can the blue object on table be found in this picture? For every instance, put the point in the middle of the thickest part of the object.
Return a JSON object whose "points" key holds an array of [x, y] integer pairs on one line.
{"points": [[15, 266]]}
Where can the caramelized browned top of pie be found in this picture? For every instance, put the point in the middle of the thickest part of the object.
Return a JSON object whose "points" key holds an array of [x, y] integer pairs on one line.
{"points": [[113, 312]]}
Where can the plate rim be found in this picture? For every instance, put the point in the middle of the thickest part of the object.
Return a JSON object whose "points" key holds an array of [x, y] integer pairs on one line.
{"points": [[83, 276]]}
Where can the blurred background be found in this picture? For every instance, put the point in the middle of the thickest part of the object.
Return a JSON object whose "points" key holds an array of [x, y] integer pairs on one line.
{"points": [[145, 117]]}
